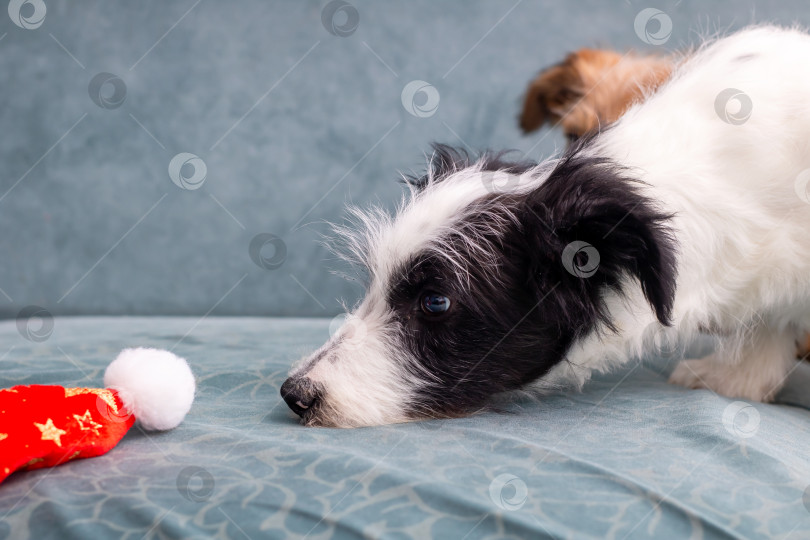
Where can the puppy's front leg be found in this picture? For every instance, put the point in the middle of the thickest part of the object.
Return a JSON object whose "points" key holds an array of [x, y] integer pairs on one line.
{"points": [[753, 366]]}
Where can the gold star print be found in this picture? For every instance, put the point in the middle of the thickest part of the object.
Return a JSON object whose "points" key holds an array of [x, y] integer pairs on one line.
{"points": [[103, 393], [86, 422], [34, 461], [50, 432], [3, 436]]}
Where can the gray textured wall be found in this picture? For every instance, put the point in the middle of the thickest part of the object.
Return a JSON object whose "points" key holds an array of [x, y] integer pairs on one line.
{"points": [[291, 122]]}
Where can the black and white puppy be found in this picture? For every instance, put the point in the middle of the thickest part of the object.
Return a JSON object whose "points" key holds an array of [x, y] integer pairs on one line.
{"points": [[688, 215]]}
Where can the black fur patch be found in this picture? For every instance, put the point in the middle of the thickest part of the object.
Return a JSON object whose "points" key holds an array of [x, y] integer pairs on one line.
{"points": [[446, 160], [510, 323], [594, 200]]}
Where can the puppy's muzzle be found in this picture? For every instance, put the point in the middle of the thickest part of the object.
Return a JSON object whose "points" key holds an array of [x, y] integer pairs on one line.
{"points": [[300, 394]]}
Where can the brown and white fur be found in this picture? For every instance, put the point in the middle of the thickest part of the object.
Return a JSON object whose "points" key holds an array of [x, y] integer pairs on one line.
{"points": [[592, 88]]}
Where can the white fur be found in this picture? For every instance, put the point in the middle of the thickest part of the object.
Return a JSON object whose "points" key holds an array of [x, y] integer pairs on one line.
{"points": [[157, 386], [382, 243], [743, 264], [369, 384], [743, 235]]}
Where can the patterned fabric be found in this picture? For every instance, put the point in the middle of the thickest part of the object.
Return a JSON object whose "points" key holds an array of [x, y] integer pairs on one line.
{"points": [[47, 425], [629, 457]]}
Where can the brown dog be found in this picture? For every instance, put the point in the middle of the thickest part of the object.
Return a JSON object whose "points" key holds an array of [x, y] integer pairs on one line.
{"points": [[592, 88]]}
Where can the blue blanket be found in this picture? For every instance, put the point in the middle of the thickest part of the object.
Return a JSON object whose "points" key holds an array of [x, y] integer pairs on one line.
{"points": [[629, 457]]}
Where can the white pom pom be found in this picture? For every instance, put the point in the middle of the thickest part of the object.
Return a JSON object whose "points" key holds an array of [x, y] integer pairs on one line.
{"points": [[155, 385]]}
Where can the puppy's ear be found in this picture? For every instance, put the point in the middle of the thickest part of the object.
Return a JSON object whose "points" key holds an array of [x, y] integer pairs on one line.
{"points": [[591, 228], [550, 94]]}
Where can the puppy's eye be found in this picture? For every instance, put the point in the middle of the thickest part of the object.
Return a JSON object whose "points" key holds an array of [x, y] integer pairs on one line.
{"points": [[434, 303]]}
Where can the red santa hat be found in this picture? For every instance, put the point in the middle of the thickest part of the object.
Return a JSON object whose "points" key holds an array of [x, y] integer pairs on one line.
{"points": [[44, 426]]}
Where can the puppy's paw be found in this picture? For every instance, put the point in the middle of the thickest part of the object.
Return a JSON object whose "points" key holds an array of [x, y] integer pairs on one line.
{"points": [[687, 373], [725, 379]]}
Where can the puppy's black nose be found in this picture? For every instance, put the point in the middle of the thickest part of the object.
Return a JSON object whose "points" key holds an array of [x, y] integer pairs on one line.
{"points": [[300, 393]]}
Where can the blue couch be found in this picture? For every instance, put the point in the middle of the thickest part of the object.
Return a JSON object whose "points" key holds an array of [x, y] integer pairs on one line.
{"points": [[168, 167], [629, 457]]}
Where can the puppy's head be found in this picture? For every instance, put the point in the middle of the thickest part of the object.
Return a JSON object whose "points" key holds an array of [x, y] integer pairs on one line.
{"points": [[480, 284]]}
